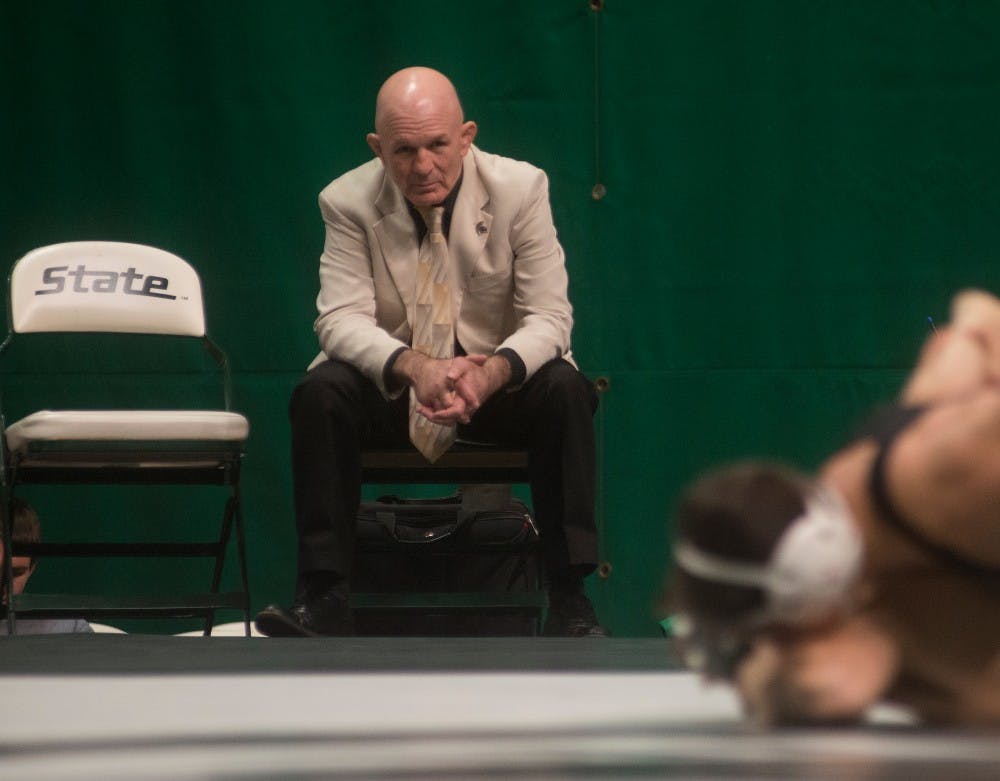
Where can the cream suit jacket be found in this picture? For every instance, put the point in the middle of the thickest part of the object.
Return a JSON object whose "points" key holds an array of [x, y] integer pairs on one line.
{"points": [[508, 271]]}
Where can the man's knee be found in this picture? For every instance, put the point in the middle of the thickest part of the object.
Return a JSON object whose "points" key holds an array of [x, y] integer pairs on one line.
{"points": [[331, 386], [566, 386]]}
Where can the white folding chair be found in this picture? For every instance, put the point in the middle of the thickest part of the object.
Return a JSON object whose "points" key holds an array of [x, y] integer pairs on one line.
{"points": [[101, 288]]}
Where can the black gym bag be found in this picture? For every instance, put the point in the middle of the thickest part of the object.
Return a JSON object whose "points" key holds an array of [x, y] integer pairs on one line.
{"points": [[444, 566]]}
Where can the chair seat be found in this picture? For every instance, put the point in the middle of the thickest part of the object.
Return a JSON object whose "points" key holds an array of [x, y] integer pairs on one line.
{"points": [[93, 435], [148, 425], [463, 462]]}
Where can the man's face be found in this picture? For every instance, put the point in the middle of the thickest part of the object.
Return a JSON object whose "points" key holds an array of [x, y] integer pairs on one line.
{"points": [[23, 568], [422, 149]]}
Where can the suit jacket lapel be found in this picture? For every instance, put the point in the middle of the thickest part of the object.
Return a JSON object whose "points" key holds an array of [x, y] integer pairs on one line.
{"points": [[470, 227], [398, 240]]}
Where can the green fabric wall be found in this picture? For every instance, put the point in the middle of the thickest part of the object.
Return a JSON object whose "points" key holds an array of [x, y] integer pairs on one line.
{"points": [[792, 189]]}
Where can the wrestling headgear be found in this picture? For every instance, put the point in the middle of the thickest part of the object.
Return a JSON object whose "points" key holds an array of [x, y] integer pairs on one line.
{"points": [[810, 572]]}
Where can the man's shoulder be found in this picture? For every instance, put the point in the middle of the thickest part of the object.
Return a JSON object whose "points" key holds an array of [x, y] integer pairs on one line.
{"points": [[502, 171], [359, 185]]}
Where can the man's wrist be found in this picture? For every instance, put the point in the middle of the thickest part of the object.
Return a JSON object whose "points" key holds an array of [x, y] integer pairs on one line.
{"points": [[389, 377], [517, 373], [404, 368], [499, 370]]}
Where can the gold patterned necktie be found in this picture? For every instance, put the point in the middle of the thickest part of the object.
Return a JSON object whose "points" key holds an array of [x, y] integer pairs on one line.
{"points": [[433, 330]]}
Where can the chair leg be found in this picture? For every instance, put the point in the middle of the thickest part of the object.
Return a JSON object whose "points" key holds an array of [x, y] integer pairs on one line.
{"points": [[220, 556], [241, 554], [538, 575], [8, 566], [234, 512]]}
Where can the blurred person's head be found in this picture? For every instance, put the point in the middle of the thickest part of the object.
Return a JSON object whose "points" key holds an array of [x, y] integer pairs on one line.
{"points": [[26, 528], [757, 545]]}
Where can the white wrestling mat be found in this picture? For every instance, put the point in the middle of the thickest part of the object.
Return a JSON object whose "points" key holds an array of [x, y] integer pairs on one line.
{"points": [[151, 708]]}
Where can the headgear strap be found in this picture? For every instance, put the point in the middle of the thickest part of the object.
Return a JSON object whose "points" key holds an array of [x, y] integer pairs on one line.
{"points": [[811, 570]]}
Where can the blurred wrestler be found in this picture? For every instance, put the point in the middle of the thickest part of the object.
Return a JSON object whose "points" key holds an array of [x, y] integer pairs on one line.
{"points": [[878, 578]]}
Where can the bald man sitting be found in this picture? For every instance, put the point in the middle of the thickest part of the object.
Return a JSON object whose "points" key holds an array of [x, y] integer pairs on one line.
{"points": [[500, 369]]}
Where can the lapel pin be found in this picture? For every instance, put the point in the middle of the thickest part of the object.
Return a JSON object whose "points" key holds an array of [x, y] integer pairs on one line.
{"points": [[481, 228]]}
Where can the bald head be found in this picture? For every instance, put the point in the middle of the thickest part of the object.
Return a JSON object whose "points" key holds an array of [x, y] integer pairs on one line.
{"points": [[420, 134], [413, 90]]}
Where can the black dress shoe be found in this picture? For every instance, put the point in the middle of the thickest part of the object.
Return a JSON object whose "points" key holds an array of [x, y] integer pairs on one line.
{"points": [[326, 615], [572, 616]]}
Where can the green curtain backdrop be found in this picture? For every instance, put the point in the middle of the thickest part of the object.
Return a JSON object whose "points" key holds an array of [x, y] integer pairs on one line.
{"points": [[792, 188]]}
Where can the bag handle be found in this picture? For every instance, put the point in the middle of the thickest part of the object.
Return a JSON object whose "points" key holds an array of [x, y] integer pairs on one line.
{"points": [[387, 518]]}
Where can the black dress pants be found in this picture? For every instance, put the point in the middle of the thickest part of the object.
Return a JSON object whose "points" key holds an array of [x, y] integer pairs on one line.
{"points": [[336, 412]]}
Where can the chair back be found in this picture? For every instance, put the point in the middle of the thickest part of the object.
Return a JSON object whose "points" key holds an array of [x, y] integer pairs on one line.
{"points": [[105, 287]]}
